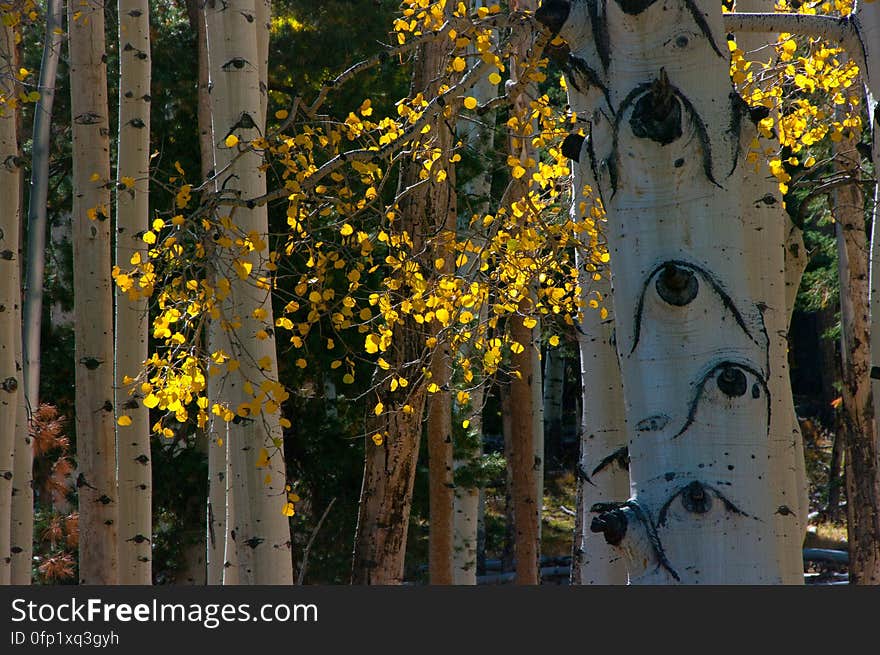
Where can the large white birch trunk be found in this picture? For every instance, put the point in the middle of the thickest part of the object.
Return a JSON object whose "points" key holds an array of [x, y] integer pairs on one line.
{"points": [[694, 349], [132, 220], [11, 383], [93, 310], [237, 59]]}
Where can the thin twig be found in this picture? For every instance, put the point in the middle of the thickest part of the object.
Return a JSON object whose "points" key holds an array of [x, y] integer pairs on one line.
{"points": [[302, 568]]}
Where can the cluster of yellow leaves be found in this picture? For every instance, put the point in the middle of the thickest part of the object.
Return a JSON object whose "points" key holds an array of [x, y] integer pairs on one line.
{"points": [[349, 276], [810, 88]]}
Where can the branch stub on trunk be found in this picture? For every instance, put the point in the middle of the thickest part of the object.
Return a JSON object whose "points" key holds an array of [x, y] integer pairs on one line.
{"points": [[677, 285]]}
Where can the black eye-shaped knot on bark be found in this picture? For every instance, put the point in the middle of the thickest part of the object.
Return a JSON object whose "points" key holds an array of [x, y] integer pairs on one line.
{"points": [[571, 146], [677, 285], [612, 524], [657, 114], [695, 499], [552, 14], [732, 381]]}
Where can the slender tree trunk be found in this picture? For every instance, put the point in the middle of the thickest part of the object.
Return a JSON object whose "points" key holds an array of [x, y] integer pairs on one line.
{"points": [[554, 388], [238, 106], [478, 138], [93, 309], [23, 497], [440, 481], [11, 383], [603, 466], [526, 461], [392, 444], [695, 354], [857, 416], [867, 454], [205, 552], [509, 551], [132, 220]]}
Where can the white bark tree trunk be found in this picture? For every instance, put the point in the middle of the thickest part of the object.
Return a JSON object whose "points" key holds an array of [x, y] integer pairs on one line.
{"points": [[478, 138], [93, 310], [132, 220], [11, 383], [237, 55], [23, 495], [603, 466], [695, 354]]}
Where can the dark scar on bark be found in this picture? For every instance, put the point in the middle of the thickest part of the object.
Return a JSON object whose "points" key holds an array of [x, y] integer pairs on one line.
{"points": [[620, 456], [600, 30], [591, 153], [645, 519], [696, 121], [571, 146], [582, 474], [695, 401], [656, 115], [634, 7], [726, 300], [703, 25], [587, 75], [553, 14], [691, 488]]}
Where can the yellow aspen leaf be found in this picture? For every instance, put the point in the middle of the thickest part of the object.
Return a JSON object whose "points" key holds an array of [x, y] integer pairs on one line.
{"points": [[231, 141], [458, 64], [529, 322], [263, 458], [346, 230], [124, 420], [433, 388], [281, 114], [284, 423], [301, 363], [442, 315], [470, 102], [377, 439], [516, 347], [517, 172], [151, 400], [348, 378], [335, 364], [465, 424], [288, 509], [495, 78], [378, 409], [553, 341]]}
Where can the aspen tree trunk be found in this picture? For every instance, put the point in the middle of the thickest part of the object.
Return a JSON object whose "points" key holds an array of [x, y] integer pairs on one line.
{"points": [[390, 464], [554, 388], [863, 523], [203, 553], [478, 138], [11, 384], [23, 494], [865, 466], [238, 104], [692, 340], [93, 309], [785, 436], [603, 466], [526, 462], [132, 220]]}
